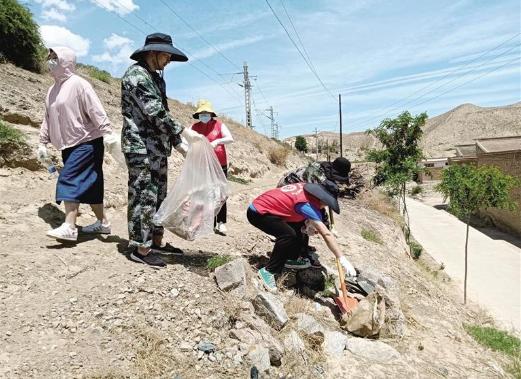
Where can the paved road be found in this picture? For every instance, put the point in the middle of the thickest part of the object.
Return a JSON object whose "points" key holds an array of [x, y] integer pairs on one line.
{"points": [[494, 272]]}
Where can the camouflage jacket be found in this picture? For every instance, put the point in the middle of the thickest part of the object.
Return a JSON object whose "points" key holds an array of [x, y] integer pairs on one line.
{"points": [[148, 128], [312, 173]]}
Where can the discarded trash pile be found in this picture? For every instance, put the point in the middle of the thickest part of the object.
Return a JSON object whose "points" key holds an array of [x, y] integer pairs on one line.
{"points": [[357, 183]]}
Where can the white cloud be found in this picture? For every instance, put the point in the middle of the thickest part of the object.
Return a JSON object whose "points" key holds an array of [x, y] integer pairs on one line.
{"points": [[54, 35], [117, 51], [52, 14], [61, 5], [56, 10], [210, 51], [121, 7]]}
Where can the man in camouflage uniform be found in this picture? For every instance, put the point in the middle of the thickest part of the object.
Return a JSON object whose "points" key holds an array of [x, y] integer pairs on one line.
{"points": [[148, 134]]}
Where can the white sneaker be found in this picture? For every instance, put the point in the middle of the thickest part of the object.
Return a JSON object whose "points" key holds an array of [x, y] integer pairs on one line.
{"points": [[64, 232], [221, 228], [96, 228]]}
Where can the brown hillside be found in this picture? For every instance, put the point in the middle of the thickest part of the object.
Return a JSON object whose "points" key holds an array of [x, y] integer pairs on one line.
{"points": [[22, 95]]}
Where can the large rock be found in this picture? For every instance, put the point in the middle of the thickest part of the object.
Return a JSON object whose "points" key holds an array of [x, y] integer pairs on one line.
{"points": [[368, 318], [309, 326], [293, 343], [276, 350], [374, 351], [231, 275], [246, 335], [259, 357], [334, 343], [271, 310]]}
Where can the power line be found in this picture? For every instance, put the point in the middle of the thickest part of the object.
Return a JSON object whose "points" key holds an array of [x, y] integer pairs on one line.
{"points": [[464, 83], [297, 34], [300, 52], [199, 34], [390, 107]]}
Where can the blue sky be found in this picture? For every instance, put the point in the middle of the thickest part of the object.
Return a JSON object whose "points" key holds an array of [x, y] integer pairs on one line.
{"points": [[382, 56]]}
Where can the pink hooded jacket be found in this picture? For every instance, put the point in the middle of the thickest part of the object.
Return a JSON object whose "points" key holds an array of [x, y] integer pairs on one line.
{"points": [[73, 111]]}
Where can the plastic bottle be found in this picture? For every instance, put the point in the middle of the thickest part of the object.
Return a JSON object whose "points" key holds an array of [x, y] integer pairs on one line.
{"points": [[51, 168]]}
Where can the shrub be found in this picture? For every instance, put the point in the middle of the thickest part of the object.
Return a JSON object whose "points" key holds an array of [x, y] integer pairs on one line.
{"points": [[96, 73], [10, 135], [495, 339], [217, 261], [278, 155], [416, 249], [371, 235], [20, 39], [236, 179], [301, 144], [416, 190]]}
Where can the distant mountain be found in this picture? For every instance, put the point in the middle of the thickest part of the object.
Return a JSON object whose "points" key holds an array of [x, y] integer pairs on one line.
{"points": [[460, 125]]}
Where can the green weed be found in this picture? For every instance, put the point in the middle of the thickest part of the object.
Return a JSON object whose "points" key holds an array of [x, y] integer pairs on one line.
{"points": [[371, 235], [217, 261]]}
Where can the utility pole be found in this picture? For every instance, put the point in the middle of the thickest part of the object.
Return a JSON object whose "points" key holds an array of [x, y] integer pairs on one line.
{"points": [[340, 114], [274, 125], [247, 95], [327, 150], [316, 142]]}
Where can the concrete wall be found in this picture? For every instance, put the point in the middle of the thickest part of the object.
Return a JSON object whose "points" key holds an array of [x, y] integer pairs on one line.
{"points": [[509, 163], [430, 174]]}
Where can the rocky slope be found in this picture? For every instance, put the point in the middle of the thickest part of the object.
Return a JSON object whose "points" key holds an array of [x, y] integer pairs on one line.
{"points": [[460, 125], [85, 310]]}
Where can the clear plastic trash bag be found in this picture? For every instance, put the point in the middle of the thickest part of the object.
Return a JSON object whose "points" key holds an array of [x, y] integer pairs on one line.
{"points": [[196, 196]]}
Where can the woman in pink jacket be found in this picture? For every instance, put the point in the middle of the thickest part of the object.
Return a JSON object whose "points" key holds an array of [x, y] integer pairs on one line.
{"points": [[75, 123]]}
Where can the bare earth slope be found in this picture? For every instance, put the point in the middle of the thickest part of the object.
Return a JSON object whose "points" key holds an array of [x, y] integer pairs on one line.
{"points": [[85, 310], [460, 125]]}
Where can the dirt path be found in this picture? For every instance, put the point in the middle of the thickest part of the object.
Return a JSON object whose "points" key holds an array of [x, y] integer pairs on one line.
{"points": [[494, 272]]}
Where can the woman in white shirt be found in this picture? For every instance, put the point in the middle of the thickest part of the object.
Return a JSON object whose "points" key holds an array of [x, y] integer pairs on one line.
{"points": [[218, 135]]}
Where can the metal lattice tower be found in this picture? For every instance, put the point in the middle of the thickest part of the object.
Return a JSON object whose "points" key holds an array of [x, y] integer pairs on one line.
{"points": [[247, 96]]}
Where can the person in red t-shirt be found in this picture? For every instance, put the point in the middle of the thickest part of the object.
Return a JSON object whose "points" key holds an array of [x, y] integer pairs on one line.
{"points": [[283, 212], [218, 135]]}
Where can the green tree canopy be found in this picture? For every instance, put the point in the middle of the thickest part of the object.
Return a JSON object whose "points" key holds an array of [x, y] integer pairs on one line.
{"points": [[301, 144], [20, 41]]}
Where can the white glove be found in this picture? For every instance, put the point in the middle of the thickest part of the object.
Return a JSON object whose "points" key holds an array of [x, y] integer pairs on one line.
{"points": [[41, 153], [182, 148], [191, 136], [214, 143], [348, 267], [110, 141]]}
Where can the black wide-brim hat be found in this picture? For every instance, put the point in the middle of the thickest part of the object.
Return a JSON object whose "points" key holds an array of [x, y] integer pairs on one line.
{"points": [[160, 42], [327, 193]]}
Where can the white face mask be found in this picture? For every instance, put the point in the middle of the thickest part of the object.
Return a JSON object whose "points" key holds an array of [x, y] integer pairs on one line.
{"points": [[52, 64], [204, 117]]}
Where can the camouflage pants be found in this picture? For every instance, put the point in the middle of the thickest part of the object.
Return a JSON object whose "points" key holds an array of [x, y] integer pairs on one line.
{"points": [[147, 185]]}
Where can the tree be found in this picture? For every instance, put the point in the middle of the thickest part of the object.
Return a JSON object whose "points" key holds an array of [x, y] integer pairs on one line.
{"points": [[301, 144], [20, 41], [399, 160], [471, 188]]}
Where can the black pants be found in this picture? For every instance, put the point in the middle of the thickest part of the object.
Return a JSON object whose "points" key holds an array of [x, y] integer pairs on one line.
{"points": [[221, 216], [290, 239]]}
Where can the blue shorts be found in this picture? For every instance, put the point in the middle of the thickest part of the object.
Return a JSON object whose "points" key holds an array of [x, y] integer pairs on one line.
{"points": [[81, 179]]}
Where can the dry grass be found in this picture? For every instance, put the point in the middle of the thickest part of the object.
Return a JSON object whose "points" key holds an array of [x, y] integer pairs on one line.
{"points": [[297, 304], [278, 155], [382, 204], [153, 359]]}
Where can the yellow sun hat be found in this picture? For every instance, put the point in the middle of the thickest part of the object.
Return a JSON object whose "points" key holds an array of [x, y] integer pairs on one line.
{"points": [[204, 105]]}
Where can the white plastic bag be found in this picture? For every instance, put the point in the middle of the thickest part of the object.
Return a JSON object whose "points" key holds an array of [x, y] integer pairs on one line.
{"points": [[196, 196]]}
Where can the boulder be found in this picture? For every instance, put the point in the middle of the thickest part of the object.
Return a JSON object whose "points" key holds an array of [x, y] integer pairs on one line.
{"points": [[309, 326], [375, 351], [231, 275], [293, 343], [246, 335], [368, 318], [334, 343], [271, 310], [259, 357]]}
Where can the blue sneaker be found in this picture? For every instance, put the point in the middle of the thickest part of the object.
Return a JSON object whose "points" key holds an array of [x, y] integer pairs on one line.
{"points": [[268, 280]]}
